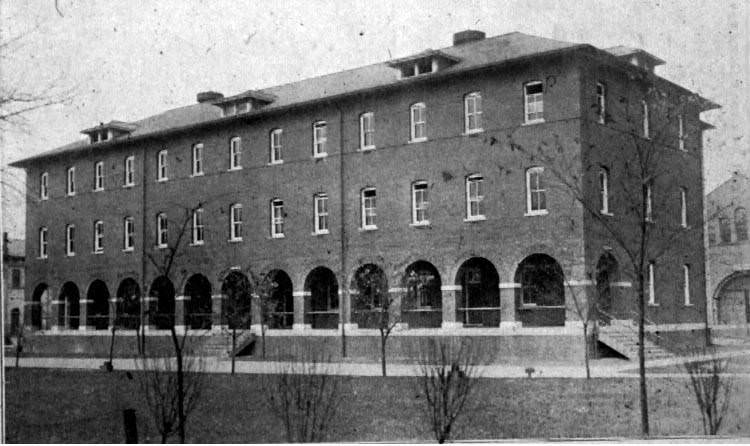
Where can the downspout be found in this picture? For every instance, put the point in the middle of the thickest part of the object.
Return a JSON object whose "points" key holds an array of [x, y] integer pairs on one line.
{"points": [[144, 290], [344, 300]]}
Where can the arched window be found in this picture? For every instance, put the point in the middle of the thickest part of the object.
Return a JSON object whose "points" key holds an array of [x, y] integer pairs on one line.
{"points": [[740, 224]]}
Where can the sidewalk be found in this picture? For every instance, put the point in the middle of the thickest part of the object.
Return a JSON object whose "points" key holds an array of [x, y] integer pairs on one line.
{"points": [[600, 368]]}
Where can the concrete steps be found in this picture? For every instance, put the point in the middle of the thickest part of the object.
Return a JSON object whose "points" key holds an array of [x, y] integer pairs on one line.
{"points": [[624, 340], [220, 344]]}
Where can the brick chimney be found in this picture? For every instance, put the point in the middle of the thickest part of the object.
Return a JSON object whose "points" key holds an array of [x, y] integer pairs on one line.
{"points": [[467, 36], [208, 96]]}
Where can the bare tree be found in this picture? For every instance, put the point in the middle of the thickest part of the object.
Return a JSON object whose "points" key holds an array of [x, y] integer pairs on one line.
{"points": [[304, 395], [375, 305], [264, 289], [645, 147], [712, 387], [447, 377], [236, 311], [586, 313], [19, 342], [161, 384]]}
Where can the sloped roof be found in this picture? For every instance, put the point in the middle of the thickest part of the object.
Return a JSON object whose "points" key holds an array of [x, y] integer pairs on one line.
{"points": [[621, 50]]}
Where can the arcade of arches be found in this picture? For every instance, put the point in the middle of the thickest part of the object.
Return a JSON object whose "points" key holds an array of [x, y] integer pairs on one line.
{"points": [[476, 298]]}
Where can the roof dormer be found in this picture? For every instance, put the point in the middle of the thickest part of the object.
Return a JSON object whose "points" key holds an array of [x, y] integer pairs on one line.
{"points": [[244, 102], [105, 132], [637, 57], [426, 62]]}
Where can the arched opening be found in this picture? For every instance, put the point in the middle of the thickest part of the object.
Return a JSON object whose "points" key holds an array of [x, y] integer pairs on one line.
{"points": [[541, 299], [280, 300], [198, 305], [423, 300], [478, 299], [369, 292], [237, 304], [97, 296], [70, 310], [39, 298], [162, 314], [323, 289], [734, 299], [607, 272], [128, 304]]}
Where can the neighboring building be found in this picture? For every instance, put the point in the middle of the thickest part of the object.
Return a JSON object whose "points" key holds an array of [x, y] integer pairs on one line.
{"points": [[404, 169], [728, 271], [13, 283]]}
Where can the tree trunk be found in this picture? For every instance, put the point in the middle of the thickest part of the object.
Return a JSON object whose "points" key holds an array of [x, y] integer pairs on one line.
{"points": [[234, 346], [18, 354], [383, 340], [642, 355], [343, 339], [262, 340], [180, 387], [586, 354], [112, 348]]}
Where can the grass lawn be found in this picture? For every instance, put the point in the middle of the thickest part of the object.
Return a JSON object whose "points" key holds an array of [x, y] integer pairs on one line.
{"points": [[82, 406]]}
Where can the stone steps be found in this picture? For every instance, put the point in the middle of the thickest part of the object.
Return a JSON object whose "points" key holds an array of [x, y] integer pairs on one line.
{"points": [[625, 341]]}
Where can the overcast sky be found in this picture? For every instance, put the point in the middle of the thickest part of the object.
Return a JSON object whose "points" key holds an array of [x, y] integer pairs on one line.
{"points": [[128, 60]]}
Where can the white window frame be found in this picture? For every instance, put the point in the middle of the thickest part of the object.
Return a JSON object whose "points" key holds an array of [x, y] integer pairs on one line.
{"points": [[681, 132], [162, 227], [197, 159], [43, 242], [418, 122], [320, 210], [646, 124], [683, 208], [651, 286], [604, 191], [601, 102], [198, 236], [368, 208], [420, 203], [98, 237], [366, 128], [276, 145], [649, 203], [70, 240], [473, 109], [475, 195], [128, 234], [235, 153], [536, 189], [320, 139], [129, 180], [98, 176], [686, 284], [161, 165], [44, 186], [235, 222], [533, 104], [71, 181], [277, 218]]}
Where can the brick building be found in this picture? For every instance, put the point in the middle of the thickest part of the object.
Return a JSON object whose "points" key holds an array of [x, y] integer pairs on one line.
{"points": [[13, 283], [406, 170], [728, 277]]}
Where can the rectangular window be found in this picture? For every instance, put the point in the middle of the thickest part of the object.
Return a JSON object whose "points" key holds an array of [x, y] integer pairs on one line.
{"points": [[198, 229], [161, 230], [367, 131], [686, 284], [473, 112], [649, 203], [71, 184], [533, 102], [536, 194], [99, 236], [129, 179], [99, 176], [320, 138], [601, 102], [683, 208], [277, 219], [42, 243], [128, 234], [321, 214], [418, 122], [474, 197], [15, 278], [651, 285], [198, 159], [70, 240], [235, 222], [235, 153], [276, 146], [419, 203], [369, 206], [161, 166], [604, 190], [646, 120], [44, 186], [681, 132]]}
